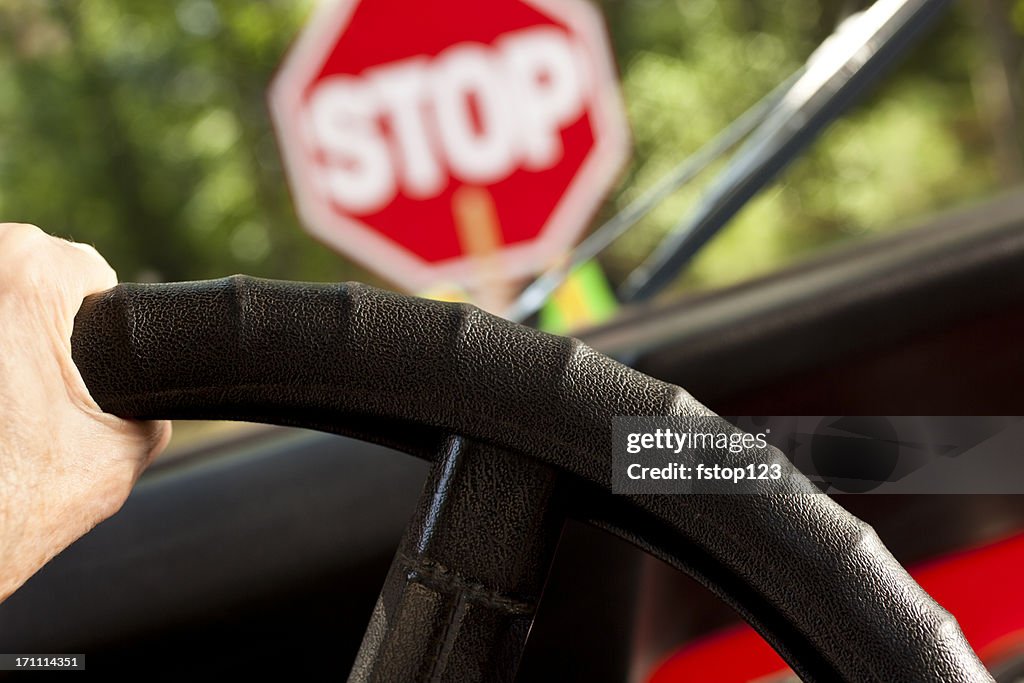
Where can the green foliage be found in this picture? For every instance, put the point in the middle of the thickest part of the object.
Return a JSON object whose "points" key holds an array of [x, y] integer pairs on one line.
{"points": [[142, 127], [916, 145]]}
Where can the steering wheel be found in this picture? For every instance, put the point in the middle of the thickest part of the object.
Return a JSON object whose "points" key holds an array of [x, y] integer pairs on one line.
{"points": [[518, 426]]}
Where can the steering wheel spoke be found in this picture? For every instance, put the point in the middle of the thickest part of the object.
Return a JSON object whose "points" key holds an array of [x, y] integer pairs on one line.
{"points": [[459, 600]]}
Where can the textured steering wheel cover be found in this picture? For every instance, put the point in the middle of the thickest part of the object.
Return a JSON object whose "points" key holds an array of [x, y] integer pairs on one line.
{"points": [[405, 372]]}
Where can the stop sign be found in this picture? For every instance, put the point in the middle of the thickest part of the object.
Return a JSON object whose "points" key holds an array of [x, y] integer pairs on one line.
{"points": [[426, 138]]}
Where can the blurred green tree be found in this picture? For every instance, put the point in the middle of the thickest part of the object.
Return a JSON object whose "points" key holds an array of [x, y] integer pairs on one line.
{"points": [[142, 127]]}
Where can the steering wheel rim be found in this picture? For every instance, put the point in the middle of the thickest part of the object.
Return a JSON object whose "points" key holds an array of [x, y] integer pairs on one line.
{"points": [[408, 373]]}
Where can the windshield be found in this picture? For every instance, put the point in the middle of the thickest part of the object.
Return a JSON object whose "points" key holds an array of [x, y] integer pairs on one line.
{"points": [[143, 128]]}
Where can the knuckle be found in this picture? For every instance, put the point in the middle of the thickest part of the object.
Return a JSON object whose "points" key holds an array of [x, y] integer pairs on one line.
{"points": [[87, 249], [92, 260], [25, 251], [31, 258], [19, 231]]}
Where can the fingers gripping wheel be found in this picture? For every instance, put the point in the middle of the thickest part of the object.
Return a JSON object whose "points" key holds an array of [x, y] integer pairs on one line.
{"points": [[412, 373]]}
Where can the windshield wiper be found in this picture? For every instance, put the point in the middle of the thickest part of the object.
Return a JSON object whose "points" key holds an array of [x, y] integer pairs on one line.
{"points": [[849, 61]]}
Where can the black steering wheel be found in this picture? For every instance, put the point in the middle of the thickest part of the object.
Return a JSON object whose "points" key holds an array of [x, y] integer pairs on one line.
{"points": [[518, 426]]}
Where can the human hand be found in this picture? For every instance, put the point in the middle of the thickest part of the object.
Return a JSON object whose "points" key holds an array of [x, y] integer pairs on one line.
{"points": [[65, 465]]}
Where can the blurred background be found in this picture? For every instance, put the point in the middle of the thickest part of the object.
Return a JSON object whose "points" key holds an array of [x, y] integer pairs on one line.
{"points": [[143, 128]]}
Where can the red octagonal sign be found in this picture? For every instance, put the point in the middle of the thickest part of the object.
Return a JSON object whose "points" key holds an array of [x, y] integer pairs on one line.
{"points": [[450, 140]]}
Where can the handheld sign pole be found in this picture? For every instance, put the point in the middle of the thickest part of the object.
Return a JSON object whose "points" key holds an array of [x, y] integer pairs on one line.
{"points": [[479, 230]]}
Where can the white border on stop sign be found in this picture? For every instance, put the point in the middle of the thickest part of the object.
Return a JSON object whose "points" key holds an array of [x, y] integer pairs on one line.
{"points": [[360, 242]]}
